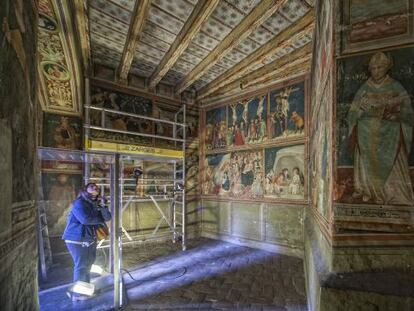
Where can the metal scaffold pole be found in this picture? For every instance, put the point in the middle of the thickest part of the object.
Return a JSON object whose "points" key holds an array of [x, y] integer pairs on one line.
{"points": [[87, 131], [179, 208], [116, 232], [175, 155], [183, 241]]}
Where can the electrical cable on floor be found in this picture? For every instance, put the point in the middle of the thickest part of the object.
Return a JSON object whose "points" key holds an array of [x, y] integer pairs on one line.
{"points": [[129, 273], [184, 271], [163, 279], [143, 259]]}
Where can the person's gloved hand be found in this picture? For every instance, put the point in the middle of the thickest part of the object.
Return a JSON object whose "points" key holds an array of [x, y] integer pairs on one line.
{"points": [[102, 201]]}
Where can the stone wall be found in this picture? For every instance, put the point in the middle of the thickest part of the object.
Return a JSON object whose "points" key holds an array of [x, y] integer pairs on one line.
{"points": [[140, 219], [355, 278], [18, 127]]}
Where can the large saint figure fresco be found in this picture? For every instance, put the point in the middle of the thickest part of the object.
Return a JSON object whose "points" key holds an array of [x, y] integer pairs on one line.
{"points": [[380, 123]]}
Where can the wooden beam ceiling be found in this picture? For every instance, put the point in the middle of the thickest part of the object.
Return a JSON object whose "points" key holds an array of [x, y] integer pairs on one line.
{"points": [[198, 17], [269, 73], [302, 27], [138, 18], [297, 58], [292, 72], [249, 24], [289, 73]]}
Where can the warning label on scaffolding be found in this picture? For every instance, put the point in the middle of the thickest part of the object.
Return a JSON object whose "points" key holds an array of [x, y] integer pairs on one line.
{"points": [[131, 149]]}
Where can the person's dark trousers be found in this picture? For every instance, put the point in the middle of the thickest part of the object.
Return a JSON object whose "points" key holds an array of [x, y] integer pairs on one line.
{"points": [[83, 258]]}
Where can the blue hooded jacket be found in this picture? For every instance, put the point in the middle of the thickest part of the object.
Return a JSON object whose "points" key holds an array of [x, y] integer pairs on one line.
{"points": [[85, 216]]}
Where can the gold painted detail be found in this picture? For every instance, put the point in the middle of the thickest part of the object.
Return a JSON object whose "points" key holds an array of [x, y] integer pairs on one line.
{"points": [[55, 76]]}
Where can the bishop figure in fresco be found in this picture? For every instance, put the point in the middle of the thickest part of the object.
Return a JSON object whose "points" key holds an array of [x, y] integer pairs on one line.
{"points": [[381, 122]]}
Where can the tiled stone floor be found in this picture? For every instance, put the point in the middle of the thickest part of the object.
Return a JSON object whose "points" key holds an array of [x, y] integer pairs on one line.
{"points": [[212, 275]]}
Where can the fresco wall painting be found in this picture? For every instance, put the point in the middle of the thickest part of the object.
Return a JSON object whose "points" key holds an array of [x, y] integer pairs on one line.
{"points": [[192, 129], [366, 102], [63, 132], [110, 99], [192, 121], [375, 113], [192, 155], [321, 120], [287, 112], [323, 51], [215, 128], [59, 190], [192, 169], [147, 106], [374, 128], [285, 172], [320, 164], [373, 24], [61, 179], [56, 68], [263, 137], [247, 121], [165, 129], [235, 174]]}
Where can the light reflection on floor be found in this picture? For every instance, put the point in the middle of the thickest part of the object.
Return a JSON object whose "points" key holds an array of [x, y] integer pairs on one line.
{"points": [[211, 275], [206, 277]]}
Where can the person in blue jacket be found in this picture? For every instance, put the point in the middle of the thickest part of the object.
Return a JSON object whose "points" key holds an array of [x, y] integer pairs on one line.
{"points": [[87, 214]]}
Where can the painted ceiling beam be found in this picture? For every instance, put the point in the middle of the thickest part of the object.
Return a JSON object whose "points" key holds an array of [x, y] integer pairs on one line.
{"points": [[82, 25], [248, 25], [138, 18], [192, 26], [298, 57], [288, 74], [291, 72], [270, 73], [302, 27]]}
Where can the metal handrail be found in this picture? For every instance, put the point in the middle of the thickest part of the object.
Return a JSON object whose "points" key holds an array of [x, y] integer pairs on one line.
{"points": [[134, 115], [133, 179], [100, 128]]}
